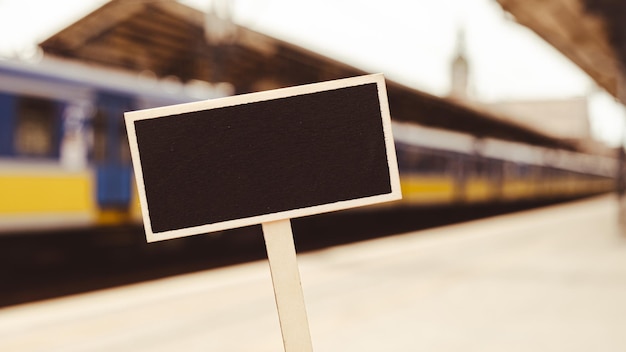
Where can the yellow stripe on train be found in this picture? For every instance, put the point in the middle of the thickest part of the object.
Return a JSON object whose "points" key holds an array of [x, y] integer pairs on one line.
{"points": [[26, 193], [479, 190], [426, 189], [42, 199]]}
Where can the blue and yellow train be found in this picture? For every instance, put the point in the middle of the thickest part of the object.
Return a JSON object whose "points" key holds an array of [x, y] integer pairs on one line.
{"points": [[64, 159]]}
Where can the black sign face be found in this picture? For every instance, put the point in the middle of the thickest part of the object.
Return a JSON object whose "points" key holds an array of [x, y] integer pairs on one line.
{"points": [[262, 157]]}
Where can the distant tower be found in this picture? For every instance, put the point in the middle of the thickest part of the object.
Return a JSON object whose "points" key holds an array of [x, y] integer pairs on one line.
{"points": [[460, 70]]}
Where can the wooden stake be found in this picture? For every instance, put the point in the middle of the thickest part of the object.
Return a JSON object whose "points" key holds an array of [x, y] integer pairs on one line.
{"points": [[281, 253]]}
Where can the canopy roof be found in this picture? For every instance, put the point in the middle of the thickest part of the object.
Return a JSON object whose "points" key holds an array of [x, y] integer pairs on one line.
{"points": [[591, 33], [168, 38]]}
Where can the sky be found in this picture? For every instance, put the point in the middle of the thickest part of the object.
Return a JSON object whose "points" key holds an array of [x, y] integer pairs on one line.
{"points": [[411, 42]]}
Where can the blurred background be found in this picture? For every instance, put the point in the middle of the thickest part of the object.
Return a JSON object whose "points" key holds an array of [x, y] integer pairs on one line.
{"points": [[497, 106]]}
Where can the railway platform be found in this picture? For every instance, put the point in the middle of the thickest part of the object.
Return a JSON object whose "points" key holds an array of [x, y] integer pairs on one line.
{"points": [[551, 279]]}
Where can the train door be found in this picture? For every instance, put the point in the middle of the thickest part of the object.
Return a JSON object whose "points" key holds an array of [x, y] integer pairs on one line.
{"points": [[7, 116], [459, 170], [496, 176], [110, 153]]}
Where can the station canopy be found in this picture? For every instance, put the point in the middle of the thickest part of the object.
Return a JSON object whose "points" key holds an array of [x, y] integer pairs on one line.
{"points": [[590, 33], [169, 39]]}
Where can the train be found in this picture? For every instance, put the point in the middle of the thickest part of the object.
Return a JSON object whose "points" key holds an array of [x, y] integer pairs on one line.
{"points": [[65, 161], [441, 167], [64, 154]]}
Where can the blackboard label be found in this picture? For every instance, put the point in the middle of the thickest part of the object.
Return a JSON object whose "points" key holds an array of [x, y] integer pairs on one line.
{"points": [[260, 157]]}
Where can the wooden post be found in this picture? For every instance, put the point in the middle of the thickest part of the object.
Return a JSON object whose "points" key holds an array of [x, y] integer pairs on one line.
{"points": [[281, 253]]}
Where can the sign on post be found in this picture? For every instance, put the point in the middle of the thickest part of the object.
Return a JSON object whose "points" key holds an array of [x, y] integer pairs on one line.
{"points": [[264, 158], [260, 157]]}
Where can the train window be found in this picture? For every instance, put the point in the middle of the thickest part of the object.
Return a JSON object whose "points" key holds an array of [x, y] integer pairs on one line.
{"points": [[416, 159], [481, 167], [108, 146], [407, 156], [494, 168], [433, 162], [36, 130], [511, 169], [518, 170]]}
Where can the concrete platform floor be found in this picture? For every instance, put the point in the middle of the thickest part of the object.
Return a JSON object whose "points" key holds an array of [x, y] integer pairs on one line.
{"points": [[552, 279]]}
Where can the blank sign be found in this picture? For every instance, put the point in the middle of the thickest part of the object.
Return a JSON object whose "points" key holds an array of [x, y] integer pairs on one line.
{"points": [[260, 157]]}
